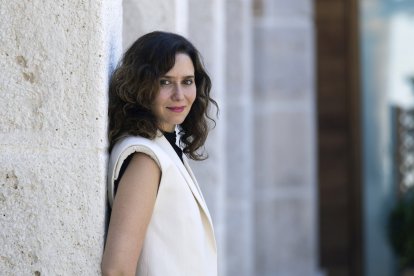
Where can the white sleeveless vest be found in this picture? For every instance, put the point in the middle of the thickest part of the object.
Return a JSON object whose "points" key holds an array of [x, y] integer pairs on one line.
{"points": [[180, 238]]}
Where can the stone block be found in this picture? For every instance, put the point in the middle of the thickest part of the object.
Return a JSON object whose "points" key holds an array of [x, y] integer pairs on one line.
{"points": [[240, 151], [55, 76], [141, 17], [201, 28], [55, 58], [52, 206], [237, 44], [284, 235], [284, 148], [287, 9], [283, 67], [239, 238]]}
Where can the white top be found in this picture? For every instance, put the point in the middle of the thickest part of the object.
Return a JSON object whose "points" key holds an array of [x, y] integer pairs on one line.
{"points": [[180, 237]]}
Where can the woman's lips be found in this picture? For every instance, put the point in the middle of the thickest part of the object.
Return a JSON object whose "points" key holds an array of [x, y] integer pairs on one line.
{"points": [[177, 109]]}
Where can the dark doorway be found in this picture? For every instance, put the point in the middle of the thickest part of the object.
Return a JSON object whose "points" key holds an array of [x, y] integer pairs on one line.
{"points": [[338, 100]]}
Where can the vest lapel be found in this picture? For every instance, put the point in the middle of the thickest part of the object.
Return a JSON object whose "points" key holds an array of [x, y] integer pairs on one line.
{"points": [[191, 174], [186, 172]]}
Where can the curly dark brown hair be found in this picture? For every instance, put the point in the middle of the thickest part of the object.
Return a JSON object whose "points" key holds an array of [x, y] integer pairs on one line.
{"points": [[134, 84]]}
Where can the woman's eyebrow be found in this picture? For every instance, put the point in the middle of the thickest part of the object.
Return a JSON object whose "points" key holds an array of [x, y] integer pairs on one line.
{"points": [[171, 77]]}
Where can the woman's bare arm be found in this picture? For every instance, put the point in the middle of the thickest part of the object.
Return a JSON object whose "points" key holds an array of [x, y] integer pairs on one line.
{"points": [[131, 213]]}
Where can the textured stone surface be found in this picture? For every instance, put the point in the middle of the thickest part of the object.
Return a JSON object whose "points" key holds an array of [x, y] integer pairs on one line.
{"points": [[141, 17], [287, 9], [239, 140], [283, 245], [240, 257], [283, 65], [240, 154], [52, 211], [284, 150], [284, 144], [54, 64], [50, 65]]}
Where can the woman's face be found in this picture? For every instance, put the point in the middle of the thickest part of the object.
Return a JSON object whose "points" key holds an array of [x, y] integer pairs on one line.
{"points": [[176, 95]]}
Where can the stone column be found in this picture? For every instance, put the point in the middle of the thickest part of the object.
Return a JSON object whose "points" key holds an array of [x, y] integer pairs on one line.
{"points": [[54, 64], [206, 29], [285, 143], [239, 138]]}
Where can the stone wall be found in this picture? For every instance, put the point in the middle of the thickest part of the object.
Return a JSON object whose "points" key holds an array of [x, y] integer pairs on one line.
{"points": [[54, 63], [206, 31], [143, 16], [239, 139], [285, 144]]}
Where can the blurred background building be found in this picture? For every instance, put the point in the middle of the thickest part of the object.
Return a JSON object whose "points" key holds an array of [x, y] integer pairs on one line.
{"points": [[313, 146]]}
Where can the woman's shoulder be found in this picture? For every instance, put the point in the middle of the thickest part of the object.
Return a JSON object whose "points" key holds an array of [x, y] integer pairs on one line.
{"points": [[127, 146], [134, 140], [130, 144]]}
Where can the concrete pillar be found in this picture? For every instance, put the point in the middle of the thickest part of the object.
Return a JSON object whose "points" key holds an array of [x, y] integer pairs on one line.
{"points": [[285, 143], [239, 138], [54, 64]]}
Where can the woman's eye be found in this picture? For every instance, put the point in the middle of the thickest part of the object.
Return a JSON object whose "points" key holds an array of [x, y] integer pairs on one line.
{"points": [[165, 82], [188, 82]]}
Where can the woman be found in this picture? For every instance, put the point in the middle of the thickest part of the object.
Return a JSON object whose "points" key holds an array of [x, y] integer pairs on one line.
{"points": [[160, 224]]}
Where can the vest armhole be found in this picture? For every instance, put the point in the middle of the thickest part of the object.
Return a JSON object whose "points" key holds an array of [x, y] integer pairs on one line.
{"points": [[115, 164]]}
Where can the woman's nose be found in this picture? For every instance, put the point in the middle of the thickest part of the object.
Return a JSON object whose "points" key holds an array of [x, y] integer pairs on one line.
{"points": [[178, 92]]}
